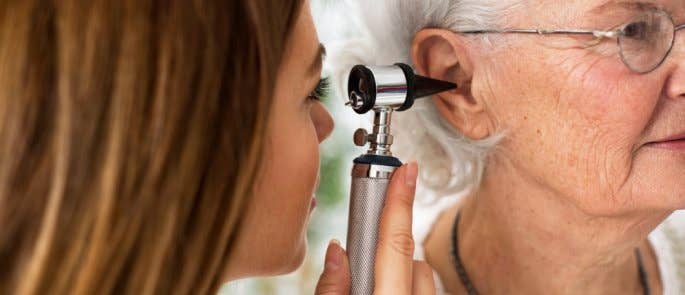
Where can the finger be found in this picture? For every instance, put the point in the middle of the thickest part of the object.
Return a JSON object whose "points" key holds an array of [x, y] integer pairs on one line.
{"points": [[335, 279], [395, 251], [423, 282]]}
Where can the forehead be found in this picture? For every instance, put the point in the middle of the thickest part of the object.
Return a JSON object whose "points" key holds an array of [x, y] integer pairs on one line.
{"points": [[303, 43], [613, 4], [638, 5], [579, 11]]}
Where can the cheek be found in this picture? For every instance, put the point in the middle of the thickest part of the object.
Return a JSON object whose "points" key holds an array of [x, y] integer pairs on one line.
{"points": [[608, 111], [576, 131], [295, 168], [609, 95], [280, 209]]}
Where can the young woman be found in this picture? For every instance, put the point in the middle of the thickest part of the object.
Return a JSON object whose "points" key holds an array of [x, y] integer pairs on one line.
{"points": [[148, 148]]}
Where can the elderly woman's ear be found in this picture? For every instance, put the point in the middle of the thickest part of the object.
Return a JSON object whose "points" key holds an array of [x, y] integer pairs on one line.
{"points": [[444, 55]]}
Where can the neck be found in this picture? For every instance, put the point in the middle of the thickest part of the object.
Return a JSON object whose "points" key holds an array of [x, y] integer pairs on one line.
{"points": [[529, 239]]}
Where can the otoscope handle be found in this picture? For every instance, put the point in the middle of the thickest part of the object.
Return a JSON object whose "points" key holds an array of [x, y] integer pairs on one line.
{"points": [[367, 197]]}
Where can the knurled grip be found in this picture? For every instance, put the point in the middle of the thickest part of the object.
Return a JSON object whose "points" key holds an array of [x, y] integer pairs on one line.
{"points": [[367, 198]]}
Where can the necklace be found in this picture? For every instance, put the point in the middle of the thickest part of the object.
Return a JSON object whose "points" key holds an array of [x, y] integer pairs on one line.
{"points": [[471, 289]]}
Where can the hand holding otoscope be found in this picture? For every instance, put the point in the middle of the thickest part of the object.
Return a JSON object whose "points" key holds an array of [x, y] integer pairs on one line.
{"points": [[382, 193]]}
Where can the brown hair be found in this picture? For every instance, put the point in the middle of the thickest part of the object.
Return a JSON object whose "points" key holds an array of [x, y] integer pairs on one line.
{"points": [[130, 133]]}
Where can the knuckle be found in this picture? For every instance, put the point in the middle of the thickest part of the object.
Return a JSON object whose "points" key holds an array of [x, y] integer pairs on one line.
{"points": [[406, 199], [400, 241]]}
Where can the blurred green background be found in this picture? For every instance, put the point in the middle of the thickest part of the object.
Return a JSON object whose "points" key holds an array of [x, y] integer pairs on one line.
{"points": [[329, 220]]}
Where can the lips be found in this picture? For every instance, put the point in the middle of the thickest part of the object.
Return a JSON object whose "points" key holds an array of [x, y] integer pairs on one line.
{"points": [[676, 137], [672, 142], [313, 202]]}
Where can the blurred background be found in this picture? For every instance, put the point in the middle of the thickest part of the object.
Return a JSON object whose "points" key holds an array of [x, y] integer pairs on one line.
{"points": [[329, 219]]}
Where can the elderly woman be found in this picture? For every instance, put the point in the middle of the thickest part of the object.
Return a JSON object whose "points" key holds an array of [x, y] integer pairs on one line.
{"points": [[566, 137]]}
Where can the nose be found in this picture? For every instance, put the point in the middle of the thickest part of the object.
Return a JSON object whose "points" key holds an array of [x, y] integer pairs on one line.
{"points": [[323, 122], [676, 83]]}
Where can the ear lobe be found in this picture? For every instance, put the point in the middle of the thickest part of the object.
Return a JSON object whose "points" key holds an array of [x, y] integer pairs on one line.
{"points": [[473, 123], [444, 55]]}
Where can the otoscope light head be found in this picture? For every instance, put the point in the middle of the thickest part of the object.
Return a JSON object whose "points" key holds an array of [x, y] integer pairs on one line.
{"points": [[362, 89], [389, 87]]}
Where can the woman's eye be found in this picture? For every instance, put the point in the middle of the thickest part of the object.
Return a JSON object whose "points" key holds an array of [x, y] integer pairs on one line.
{"points": [[637, 30], [321, 91]]}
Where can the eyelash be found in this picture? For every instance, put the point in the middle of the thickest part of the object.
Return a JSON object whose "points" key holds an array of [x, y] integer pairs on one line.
{"points": [[321, 91]]}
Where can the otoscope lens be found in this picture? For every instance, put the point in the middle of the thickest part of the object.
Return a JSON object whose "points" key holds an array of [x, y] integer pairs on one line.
{"points": [[363, 88]]}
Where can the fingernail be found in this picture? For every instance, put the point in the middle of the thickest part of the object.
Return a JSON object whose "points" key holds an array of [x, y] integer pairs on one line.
{"points": [[333, 256], [410, 174]]}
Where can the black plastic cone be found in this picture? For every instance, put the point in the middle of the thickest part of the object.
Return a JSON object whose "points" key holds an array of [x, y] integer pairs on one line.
{"points": [[424, 86]]}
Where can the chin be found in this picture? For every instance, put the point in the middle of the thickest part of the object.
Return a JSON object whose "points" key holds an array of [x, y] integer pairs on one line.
{"points": [[290, 261], [297, 257]]}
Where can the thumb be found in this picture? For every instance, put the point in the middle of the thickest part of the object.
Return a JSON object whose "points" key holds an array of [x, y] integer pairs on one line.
{"points": [[335, 279]]}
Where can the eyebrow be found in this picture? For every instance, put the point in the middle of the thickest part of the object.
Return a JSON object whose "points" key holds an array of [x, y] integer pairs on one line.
{"points": [[317, 63], [630, 5]]}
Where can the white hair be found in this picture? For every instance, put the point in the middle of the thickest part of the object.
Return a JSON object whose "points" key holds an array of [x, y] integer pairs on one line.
{"points": [[450, 162]]}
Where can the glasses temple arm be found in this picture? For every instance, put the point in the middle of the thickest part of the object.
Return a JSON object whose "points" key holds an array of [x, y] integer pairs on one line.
{"points": [[540, 32]]}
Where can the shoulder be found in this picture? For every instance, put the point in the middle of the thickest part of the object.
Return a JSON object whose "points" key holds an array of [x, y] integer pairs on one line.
{"points": [[668, 241], [426, 215], [429, 219], [677, 219], [673, 229]]}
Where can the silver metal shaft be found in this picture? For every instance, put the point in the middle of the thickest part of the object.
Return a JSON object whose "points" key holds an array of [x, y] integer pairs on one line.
{"points": [[367, 197]]}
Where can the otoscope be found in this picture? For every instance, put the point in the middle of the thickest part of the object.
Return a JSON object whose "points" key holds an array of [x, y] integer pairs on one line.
{"points": [[383, 90]]}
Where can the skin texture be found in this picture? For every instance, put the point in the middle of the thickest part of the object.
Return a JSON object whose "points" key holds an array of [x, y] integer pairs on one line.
{"points": [[576, 174], [273, 238]]}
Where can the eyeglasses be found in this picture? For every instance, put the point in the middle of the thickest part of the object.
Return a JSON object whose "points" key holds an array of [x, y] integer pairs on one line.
{"points": [[644, 43]]}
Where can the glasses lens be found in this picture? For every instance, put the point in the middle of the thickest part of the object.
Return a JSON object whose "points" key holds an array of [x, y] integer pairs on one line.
{"points": [[646, 41]]}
